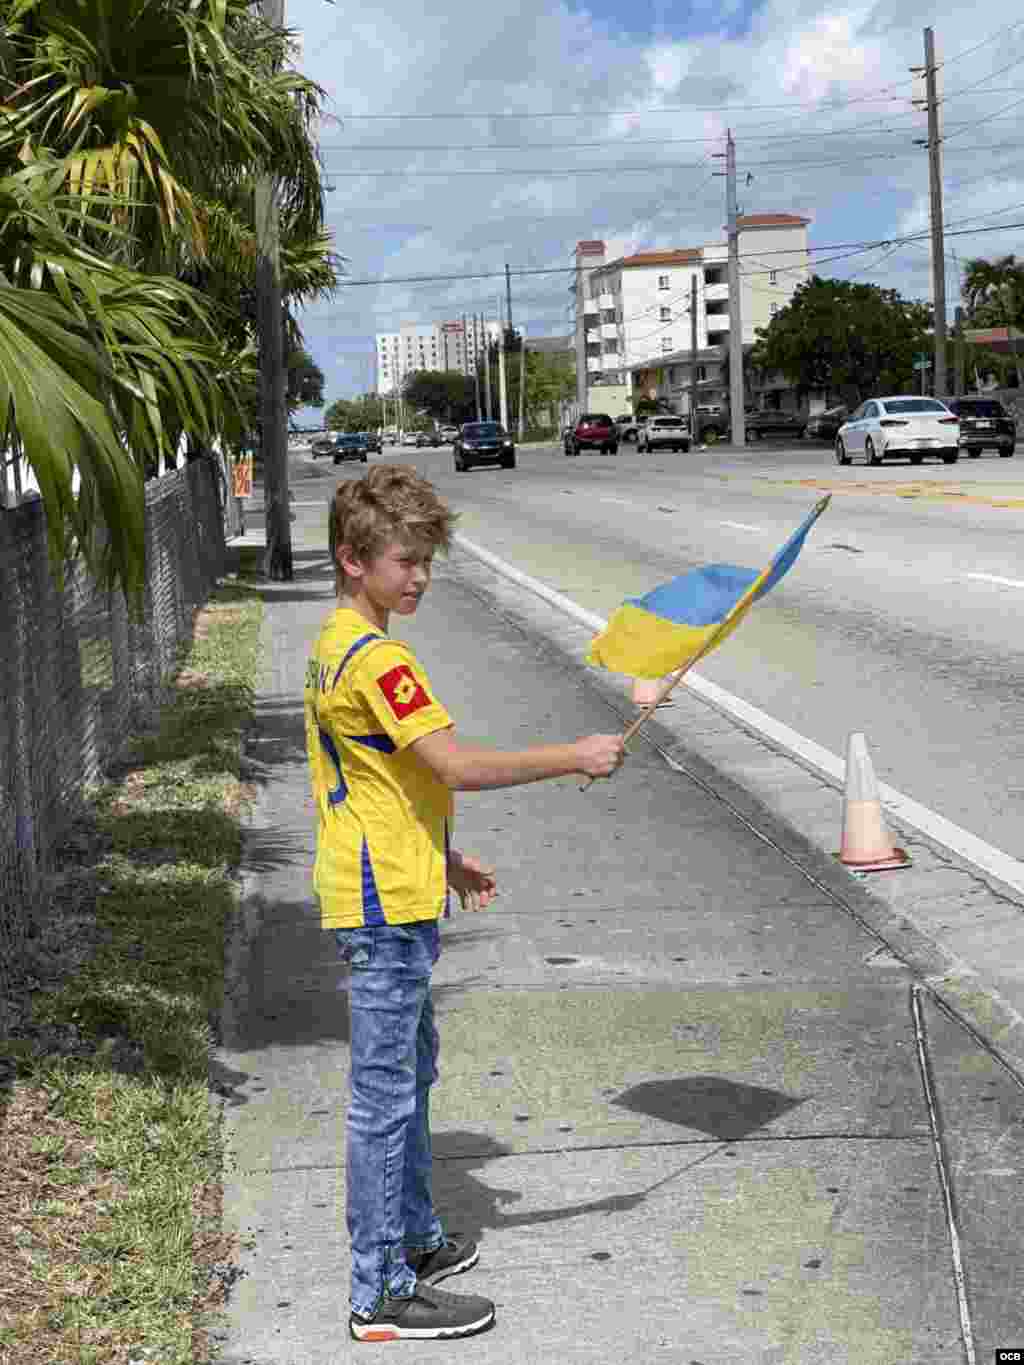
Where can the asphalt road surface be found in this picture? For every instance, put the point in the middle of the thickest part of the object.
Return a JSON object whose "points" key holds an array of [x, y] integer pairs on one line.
{"points": [[902, 618]]}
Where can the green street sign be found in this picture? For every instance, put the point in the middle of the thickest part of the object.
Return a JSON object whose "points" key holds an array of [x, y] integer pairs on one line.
{"points": [[921, 362]]}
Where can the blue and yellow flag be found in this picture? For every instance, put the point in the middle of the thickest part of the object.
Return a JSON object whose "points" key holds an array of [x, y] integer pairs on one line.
{"points": [[654, 635]]}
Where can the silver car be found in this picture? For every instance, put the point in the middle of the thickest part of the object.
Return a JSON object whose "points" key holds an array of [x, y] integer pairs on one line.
{"points": [[904, 425]]}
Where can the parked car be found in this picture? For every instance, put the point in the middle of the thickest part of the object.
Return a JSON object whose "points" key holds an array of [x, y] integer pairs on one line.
{"points": [[774, 422], [349, 446], [593, 431], [425, 439], [666, 433], [629, 428], [448, 435], [984, 423], [902, 425], [410, 438], [483, 443], [712, 422], [323, 445], [824, 426]]}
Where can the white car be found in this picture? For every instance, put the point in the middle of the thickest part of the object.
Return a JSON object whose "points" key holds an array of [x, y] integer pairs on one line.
{"points": [[409, 438], [905, 425]]}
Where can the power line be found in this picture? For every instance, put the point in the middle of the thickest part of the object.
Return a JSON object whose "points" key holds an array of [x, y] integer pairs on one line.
{"points": [[852, 247], [815, 105], [854, 130], [964, 127], [648, 167], [959, 56]]}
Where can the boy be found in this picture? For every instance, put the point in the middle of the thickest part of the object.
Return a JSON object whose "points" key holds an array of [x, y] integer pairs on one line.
{"points": [[384, 761]]}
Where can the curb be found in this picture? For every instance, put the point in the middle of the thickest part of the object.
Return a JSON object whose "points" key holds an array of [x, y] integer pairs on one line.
{"points": [[796, 808]]}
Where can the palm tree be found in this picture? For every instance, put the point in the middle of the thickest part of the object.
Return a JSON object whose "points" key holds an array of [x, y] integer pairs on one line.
{"points": [[994, 293], [163, 103], [131, 132], [94, 359]]}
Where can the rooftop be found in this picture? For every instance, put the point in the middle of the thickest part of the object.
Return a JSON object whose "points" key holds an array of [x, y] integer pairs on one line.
{"points": [[756, 220]]}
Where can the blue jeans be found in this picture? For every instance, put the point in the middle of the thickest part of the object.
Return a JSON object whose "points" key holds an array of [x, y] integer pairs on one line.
{"points": [[394, 1063]]}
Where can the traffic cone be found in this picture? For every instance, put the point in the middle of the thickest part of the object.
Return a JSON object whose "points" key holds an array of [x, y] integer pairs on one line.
{"points": [[867, 846]]}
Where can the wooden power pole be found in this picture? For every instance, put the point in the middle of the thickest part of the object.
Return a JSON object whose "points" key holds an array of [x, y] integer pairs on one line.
{"points": [[277, 561], [933, 143]]}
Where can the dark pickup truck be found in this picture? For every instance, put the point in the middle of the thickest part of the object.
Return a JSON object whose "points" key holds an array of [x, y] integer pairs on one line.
{"points": [[772, 422]]}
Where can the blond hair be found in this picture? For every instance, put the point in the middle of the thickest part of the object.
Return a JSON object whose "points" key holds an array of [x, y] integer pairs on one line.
{"points": [[390, 502]]}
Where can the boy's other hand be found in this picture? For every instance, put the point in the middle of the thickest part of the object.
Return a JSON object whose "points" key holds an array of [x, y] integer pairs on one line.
{"points": [[600, 755], [475, 885]]}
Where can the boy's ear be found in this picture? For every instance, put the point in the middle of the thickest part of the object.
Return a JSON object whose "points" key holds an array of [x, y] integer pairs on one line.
{"points": [[350, 567]]}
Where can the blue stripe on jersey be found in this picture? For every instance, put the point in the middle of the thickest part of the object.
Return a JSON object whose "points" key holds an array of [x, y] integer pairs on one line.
{"points": [[384, 744], [373, 912], [447, 888], [353, 649], [338, 793]]}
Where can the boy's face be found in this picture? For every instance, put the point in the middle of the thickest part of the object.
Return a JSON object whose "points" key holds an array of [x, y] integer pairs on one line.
{"points": [[393, 580]]}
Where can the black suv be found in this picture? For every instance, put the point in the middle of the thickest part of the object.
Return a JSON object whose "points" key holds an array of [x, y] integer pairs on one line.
{"points": [[773, 422], [483, 443], [984, 422]]}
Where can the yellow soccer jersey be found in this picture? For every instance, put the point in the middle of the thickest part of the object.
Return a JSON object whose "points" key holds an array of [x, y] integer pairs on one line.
{"points": [[383, 819]]}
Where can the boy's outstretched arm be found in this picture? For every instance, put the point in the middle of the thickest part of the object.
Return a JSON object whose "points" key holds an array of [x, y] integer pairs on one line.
{"points": [[470, 768]]}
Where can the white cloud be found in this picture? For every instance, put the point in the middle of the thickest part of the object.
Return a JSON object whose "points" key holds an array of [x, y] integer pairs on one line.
{"points": [[505, 59]]}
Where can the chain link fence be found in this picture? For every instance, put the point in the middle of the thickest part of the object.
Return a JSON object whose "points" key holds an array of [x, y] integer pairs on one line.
{"points": [[78, 674]]}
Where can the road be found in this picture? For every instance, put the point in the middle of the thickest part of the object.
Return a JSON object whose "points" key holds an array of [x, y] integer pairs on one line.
{"points": [[691, 1103], [899, 619]]}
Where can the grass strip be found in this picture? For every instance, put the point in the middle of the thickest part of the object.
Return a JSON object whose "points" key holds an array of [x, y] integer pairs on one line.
{"points": [[111, 1251]]}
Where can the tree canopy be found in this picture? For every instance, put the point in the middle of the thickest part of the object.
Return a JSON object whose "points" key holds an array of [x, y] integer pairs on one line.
{"points": [[132, 133], [842, 336], [445, 395]]}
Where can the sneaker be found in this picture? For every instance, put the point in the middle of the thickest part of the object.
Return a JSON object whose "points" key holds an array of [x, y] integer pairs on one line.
{"points": [[450, 1258], [427, 1313]]}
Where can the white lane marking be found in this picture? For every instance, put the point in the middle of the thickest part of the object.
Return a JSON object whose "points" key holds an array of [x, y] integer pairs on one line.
{"points": [[740, 525], [993, 578], [960, 841], [623, 502]]}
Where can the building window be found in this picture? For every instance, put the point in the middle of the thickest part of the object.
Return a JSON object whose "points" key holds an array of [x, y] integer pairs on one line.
{"points": [[666, 315], [702, 373], [666, 343], [662, 281], [773, 277], [773, 309]]}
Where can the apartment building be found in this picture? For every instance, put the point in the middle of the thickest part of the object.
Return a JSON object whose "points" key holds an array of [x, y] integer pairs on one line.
{"points": [[430, 346], [636, 309]]}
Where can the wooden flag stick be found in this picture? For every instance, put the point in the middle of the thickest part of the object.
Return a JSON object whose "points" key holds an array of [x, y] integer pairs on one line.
{"points": [[708, 645], [666, 687]]}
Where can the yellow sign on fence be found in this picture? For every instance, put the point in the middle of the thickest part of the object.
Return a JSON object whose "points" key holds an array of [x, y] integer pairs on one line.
{"points": [[241, 476]]}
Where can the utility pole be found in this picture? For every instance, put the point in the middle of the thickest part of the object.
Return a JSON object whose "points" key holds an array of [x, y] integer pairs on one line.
{"points": [[476, 367], [487, 368], [581, 346], [694, 420], [502, 392], [508, 294], [277, 560], [738, 421], [933, 144], [522, 385]]}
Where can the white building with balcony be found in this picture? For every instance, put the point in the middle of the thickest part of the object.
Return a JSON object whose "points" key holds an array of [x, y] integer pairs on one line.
{"points": [[451, 345], [635, 309]]}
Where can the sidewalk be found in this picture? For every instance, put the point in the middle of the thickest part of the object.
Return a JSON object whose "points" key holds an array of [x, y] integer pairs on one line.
{"points": [[690, 1108]]}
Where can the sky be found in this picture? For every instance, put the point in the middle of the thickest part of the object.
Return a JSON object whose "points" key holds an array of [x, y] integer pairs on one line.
{"points": [[461, 137]]}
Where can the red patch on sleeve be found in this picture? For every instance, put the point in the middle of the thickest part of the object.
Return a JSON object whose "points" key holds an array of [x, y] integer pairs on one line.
{"points": [[404, 694]]}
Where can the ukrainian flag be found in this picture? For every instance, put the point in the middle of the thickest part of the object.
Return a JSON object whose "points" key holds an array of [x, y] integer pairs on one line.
{"points": [[676, 624]]}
